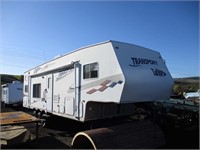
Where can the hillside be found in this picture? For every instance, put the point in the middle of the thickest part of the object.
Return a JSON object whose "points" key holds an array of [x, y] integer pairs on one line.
{"points": [[187, 80], [189, 84], [5, 78]]}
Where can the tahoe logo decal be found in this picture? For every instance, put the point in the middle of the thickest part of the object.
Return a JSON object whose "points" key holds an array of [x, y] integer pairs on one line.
{"points": [[158, 72]]}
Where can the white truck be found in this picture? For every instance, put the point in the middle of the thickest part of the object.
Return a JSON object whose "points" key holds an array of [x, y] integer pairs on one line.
{"points": [[192, 95], [97, 81], [12, 93]]}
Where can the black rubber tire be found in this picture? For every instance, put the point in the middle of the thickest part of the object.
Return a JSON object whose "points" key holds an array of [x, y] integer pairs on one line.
{"points": [[35, 113]]}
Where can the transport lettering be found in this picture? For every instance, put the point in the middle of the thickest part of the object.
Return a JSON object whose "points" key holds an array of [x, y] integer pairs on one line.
{"points": [[136, 62]]}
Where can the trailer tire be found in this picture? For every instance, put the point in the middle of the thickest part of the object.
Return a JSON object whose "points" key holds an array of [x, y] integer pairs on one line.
{"points": [[44, 118], [43, 123], [35, 113], [39, 114]]}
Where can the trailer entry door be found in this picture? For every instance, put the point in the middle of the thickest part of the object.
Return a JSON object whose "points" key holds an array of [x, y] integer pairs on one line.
{"points": [[49, 92]]}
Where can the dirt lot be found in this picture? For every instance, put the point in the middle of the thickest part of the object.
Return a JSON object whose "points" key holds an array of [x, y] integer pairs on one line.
{"points": [[58, 133], [53, 136]]}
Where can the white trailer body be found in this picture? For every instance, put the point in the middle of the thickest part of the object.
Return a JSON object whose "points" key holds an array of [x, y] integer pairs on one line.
{"points": [[12, 93], [98, 81]]}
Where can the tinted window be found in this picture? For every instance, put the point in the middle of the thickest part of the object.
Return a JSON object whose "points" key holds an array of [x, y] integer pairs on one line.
{"points": [[36, 90], [90, 71]]}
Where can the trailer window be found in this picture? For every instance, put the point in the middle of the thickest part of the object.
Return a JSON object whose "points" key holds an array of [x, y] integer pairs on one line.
{"points": [[90, 71], [36, 90], [26, 88], [49, 81]]}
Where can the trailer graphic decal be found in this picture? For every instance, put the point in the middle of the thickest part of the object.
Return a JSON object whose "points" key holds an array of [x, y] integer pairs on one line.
{"points": [[47, 66], [105, 82], [111, 82], [104, 86], [63, 74], [91, 91], [36, 70]]}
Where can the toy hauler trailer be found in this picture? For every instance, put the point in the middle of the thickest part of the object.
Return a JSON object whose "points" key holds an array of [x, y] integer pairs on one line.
{"points": [[12, 93], [98, 81]]}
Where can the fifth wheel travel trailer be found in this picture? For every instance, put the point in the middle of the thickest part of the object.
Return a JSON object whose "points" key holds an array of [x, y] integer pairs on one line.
{"points": [[98, 81]]}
